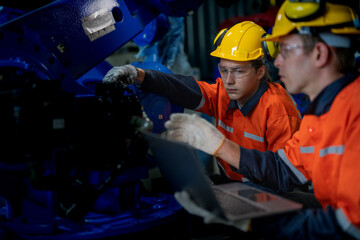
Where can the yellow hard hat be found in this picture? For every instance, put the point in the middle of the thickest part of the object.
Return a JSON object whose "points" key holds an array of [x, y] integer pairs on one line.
{"points": [[241, 42], [296, 15]]}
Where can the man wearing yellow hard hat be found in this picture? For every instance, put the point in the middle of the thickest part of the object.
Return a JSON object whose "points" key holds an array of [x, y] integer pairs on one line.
{"points": [[317, 41], [247, 107]]}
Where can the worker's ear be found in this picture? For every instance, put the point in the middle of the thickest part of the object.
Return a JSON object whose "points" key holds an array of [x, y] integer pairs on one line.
{"points": [[261, 72], [321, 54]]}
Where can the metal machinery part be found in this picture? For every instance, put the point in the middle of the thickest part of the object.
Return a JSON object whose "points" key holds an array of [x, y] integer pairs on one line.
{"points": [[71, 158]]}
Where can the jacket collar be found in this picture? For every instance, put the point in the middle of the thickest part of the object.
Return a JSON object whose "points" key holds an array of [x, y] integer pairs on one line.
{"points": [[323, 101], [250, 104]]}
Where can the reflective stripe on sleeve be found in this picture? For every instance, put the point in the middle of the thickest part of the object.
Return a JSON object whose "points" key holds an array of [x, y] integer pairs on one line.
{"points": [[332, 150], [297, 173], [253, 137], [309, 149], [227, 128], [201, 104], [346, 225]]}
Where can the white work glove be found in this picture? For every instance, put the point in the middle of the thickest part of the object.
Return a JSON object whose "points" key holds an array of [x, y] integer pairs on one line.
{"points": [[191, 207], [126, 75], [195, 131]]}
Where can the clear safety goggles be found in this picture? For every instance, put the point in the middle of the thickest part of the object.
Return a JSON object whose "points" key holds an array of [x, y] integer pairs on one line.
{"points": [[236, 72], [284, 50]]}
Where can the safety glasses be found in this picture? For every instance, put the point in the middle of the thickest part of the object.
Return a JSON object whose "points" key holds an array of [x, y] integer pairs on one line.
{"points": [[236, 72], [284, 49]]}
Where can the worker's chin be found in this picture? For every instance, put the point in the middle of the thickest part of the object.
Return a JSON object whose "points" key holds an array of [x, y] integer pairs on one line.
{"points": [[292, 90], [234, 96]]}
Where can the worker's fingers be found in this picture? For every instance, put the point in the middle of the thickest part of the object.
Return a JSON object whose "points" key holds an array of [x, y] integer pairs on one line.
{"points": [[185, 120], [126, 74], [176, 135], [177, 120]]}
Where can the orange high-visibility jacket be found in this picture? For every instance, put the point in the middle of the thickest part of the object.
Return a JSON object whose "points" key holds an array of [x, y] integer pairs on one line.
{"points": [[266, 121], [326, 151]]}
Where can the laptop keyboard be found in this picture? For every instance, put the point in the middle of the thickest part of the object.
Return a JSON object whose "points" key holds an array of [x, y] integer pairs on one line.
{"points": [[234, 205]]}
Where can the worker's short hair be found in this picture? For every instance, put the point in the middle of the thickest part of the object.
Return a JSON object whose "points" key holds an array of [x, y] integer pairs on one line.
{"points": [[345, 56]]}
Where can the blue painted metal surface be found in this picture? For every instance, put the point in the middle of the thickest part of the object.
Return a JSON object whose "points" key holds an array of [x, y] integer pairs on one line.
{"points": [[54, 37], [64, 176], [57, 36], [154, 31]]}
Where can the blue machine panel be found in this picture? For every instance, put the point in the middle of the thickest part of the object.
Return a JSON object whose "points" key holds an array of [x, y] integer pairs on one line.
{"points": [[65, 175]]}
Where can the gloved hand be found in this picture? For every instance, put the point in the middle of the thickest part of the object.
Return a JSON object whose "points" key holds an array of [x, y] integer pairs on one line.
{"points": [[191, 207], [126, 75], [195, 131]]}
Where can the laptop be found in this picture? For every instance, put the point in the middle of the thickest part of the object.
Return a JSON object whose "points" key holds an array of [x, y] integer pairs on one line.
{"points": [[236, 201]]}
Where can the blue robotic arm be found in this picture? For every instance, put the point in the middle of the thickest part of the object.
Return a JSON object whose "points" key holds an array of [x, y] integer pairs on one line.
{"points": [[67, 38]]}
